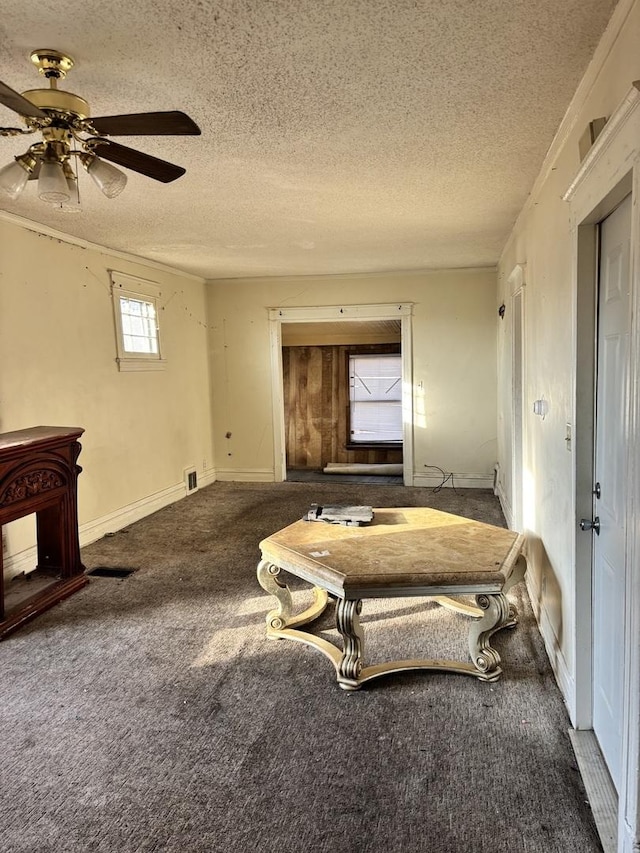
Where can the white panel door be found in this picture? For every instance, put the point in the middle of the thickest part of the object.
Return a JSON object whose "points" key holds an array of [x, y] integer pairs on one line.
{"points": [[610, 473]]}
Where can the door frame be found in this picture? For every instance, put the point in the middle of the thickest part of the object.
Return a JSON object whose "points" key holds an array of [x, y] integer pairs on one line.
{"points": [[517, 284], [609, 172], [331, 314]]}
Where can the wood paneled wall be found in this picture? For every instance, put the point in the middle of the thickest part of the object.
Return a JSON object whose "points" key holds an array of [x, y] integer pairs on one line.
{"points": [[316, 400]]}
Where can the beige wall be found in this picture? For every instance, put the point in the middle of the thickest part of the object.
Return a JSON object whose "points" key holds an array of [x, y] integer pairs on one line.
{"points": [[57, 351], [542, 240], [453, 358]]}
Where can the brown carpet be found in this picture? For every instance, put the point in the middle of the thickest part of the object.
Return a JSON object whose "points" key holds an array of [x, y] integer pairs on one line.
{"points": [[152, 714]]}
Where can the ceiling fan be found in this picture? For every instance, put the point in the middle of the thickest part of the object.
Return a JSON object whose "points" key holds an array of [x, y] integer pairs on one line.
{"points": [[68, 131]]}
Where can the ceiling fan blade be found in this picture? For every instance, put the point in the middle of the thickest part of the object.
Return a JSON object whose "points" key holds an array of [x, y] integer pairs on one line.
{"points": [[147, 124], [145, 164], [18, 104]]}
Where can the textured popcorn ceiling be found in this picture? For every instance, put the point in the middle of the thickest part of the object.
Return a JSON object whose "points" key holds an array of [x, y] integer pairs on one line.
{"points": [[337, 135]]}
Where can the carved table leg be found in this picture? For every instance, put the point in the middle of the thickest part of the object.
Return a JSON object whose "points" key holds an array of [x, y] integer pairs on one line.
{"points": [[282, 618], [271, 583], [517, 575], [348, 624], [496, 615]]}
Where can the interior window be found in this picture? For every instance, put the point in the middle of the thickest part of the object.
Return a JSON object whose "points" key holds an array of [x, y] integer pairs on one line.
{"points": [[375, 399], [139, 327], [136, 319]]}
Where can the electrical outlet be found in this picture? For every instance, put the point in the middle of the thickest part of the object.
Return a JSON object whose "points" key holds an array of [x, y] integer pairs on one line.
{"points": [[567, 437]]}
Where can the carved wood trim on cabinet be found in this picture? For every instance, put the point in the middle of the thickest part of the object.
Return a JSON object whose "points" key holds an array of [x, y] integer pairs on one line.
{"points": [[38, 474]]}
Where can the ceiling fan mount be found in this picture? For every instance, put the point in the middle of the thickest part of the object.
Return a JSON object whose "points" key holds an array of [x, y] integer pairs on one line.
{"points": [[51, 63], [54, 66], [63, 120]]}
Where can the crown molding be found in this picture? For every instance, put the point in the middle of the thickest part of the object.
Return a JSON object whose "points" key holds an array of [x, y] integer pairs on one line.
{"points": [[350, 276], [46, 231]]}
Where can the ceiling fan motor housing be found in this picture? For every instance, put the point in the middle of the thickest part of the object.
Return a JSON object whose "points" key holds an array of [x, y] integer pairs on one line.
{"points": [[58, 100], [54, 65]]}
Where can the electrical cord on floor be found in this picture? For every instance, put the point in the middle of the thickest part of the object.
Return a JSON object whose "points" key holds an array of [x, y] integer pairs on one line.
{"points": [[445, 479]]}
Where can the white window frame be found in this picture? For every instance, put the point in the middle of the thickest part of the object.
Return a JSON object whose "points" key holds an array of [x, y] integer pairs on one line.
{"points": [[352, 441], [144, 291]]}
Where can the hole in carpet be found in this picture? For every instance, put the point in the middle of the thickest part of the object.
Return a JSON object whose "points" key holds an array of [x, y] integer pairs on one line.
{"points": [[111, 572]]}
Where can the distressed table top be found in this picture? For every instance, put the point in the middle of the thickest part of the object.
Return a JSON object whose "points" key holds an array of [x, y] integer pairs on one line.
{"points": [[404, 551]]}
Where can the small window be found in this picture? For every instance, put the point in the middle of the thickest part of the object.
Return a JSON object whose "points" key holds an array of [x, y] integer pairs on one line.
{"points": [[375, 399], [136, 316], [139, 327]]}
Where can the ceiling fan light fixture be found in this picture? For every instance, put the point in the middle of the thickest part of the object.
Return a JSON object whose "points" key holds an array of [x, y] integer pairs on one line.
{"points": [[73, 205], [52, 184], [14, 176], [66, 129], [107, 178]]}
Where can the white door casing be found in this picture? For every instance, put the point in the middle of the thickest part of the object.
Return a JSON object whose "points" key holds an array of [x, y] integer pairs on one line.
{"points": [[609, 172], [332, 313], [609, 558], [517, 282]]}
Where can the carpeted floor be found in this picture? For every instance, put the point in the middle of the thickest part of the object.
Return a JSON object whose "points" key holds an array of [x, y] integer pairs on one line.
{"points": [[152, 714]]}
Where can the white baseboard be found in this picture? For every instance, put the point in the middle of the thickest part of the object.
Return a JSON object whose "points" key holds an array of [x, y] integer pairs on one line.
{"points": [[563, 677], [245, 475], [25, 561], [93, 530], [506, 506], [462, 481], [206, 477], [266, 475]]}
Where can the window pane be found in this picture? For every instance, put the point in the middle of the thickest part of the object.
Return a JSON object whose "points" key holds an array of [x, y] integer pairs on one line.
{"points": [[376, 421], [375, 396], [377, 377], [137, 325], [139, 331]]}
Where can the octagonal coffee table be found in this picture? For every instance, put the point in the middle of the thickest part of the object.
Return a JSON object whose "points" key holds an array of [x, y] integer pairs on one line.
{"points": [[413, 551]]}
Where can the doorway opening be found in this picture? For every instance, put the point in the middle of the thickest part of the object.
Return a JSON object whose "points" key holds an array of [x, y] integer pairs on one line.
{"points": [[334, 395]]}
